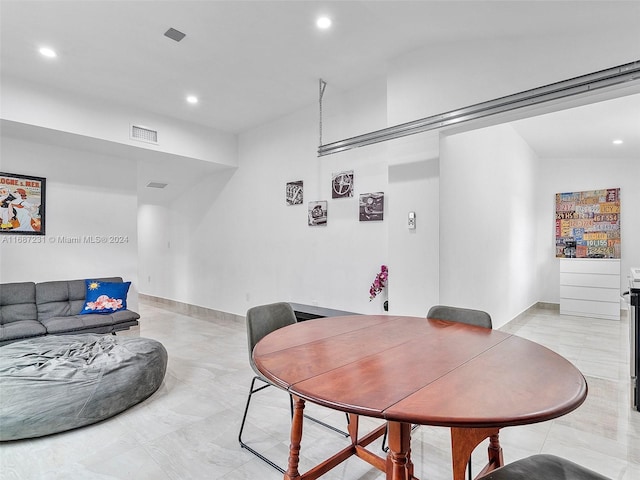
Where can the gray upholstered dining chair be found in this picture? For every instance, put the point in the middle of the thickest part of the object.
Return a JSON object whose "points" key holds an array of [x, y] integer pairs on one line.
{"points": [[543, 467], [460, 315], [262, 320]]}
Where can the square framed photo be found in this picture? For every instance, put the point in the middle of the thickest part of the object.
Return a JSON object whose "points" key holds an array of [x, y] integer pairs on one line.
{"points": [[342, 184], [317, 213], [295, 193], [22, 204], [371, 207]]}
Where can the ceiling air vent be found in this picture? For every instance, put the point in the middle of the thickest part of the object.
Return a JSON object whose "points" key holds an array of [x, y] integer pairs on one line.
{"points": [[174, 34], [156, 185], [144, 134]]}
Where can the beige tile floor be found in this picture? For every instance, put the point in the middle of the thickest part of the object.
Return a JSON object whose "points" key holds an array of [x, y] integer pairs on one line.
{"points": [[188, 429]]}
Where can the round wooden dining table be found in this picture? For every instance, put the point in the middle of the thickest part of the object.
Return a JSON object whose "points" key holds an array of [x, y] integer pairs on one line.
{"points": [[415, 370]]}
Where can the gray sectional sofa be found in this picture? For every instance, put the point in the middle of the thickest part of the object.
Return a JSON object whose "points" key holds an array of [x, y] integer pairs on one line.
{"points": [[30, 309]]}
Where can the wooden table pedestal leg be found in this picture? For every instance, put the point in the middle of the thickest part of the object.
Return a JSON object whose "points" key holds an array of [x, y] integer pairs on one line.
{"points": [[495, 455], [465, 440], [292, 472], [399, 465]]}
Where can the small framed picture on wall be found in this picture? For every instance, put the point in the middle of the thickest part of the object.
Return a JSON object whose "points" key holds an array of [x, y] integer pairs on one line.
{"points": [[22, 204], [294, 193], [371, 207], [317, 213], [342, 184]]}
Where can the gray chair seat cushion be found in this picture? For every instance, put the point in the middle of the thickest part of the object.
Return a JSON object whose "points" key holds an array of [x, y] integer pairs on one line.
{"points": [[543, 467], [56, 383]]}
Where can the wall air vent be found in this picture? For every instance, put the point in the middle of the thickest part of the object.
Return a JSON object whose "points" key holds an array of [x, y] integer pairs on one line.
{"points": [[156, 185], [143, 134]]}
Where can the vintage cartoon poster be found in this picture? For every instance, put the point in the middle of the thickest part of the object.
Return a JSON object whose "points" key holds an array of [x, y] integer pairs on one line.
{"points": [[22, 202], [588, 224]]}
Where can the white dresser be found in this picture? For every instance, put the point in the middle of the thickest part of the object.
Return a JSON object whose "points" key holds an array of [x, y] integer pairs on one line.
{"points": [[590, 287]]}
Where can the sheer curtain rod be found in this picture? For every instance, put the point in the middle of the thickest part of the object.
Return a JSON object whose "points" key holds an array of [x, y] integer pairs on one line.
{"points": [[610, 77]]}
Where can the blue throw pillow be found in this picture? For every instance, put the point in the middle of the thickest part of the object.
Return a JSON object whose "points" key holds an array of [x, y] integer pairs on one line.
{"points": [[105, 297]]}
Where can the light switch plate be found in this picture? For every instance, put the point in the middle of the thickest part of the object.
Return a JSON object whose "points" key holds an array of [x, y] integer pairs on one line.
{"points": [[412, 220]]}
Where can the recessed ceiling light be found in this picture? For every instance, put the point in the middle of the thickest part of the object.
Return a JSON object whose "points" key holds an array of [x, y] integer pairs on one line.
{"points": [[192, 99], [618, 142], [48, 52], [323, 23]]}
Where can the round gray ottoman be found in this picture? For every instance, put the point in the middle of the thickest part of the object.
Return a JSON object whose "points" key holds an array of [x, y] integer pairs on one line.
{"points": [[56, 383]]}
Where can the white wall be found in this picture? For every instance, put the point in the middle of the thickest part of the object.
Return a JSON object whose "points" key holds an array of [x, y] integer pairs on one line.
{"points": [[36, 105], [488, 222], [229, 241], [154, 250], [235, 243], [438, 79], [559, 175], [86, 195], [414, 176]]}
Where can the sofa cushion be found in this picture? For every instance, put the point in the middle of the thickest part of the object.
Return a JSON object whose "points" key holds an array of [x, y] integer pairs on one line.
{"points": [[105, 297], [18, 302], [18, 312], [97, 322], [21, 329], [62, 298]]}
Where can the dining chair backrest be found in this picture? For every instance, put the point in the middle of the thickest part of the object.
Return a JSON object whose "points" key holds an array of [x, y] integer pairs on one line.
{"points": [[462, 315], [543, 467], [261, 321], [264, 319], [454, 314]]}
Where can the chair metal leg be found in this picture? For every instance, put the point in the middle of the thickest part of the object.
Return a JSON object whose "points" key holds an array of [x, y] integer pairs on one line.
{"points": [[253, 390], [330, 427], [385, 447], [320, 422]]}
